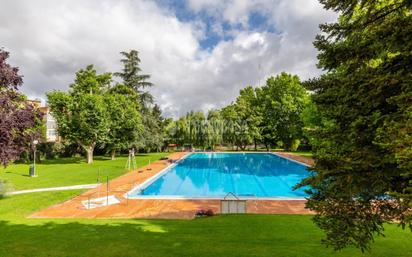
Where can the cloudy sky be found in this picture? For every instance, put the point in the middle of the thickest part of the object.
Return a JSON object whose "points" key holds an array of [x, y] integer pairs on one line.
{"points": [[199, 52]]}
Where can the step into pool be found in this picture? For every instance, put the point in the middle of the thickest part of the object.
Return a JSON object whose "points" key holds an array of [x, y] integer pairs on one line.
{"points": [[214, 175]]}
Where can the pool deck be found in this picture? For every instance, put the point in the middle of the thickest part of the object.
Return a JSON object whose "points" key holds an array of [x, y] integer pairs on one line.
{"points": [[159, 208]]}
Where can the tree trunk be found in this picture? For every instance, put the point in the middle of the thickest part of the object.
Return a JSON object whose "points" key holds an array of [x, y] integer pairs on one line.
{"points": [[113, 154], [90, 154], [255, 145]]}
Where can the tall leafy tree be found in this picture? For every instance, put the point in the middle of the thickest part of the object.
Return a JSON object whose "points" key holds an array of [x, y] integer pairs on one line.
{"points": [[248, 118], [125, 125], [152, 136], [214, 129], [82, 113], [363, 172], [132, 77], [19, 121], [282, 100]]}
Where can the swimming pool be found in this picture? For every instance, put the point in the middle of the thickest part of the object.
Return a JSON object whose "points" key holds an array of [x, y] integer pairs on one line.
{"points": [[214, 175]]}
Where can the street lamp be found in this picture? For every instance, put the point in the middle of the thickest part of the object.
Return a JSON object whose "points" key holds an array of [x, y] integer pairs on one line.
{"points": [[33, 168]]}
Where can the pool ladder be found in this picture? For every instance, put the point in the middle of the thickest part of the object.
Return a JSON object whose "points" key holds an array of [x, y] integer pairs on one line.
{"points": [[233, 205]]}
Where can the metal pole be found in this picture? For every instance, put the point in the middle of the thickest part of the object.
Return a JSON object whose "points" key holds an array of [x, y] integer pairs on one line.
{"points": [[34, 161], [107, 191]]}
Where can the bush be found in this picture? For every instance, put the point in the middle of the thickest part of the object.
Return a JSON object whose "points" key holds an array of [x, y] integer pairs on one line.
{"points": [[204, 213], [295, 145]]}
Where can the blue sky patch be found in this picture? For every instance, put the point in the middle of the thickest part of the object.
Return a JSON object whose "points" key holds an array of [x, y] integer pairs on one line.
{"points": [[257, 21]]}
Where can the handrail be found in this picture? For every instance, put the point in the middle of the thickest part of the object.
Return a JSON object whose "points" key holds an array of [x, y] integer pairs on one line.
{"points": [[231, 193]]}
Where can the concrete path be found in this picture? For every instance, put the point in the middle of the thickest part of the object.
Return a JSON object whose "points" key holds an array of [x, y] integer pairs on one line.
{"points": [[87, 186]]}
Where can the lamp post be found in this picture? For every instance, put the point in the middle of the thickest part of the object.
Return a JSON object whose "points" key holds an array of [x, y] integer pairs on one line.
{"points": [[33, 172]]}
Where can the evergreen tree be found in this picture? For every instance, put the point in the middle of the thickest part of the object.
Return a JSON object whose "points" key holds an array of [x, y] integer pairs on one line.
{"points": [[132, 78], [363, 172]]}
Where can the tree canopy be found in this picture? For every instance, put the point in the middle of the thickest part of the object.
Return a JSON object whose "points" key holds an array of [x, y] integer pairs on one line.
{"points": [[282, 100], [82, 114], [362, 141], [92, 112], [20, 122], [263, 115], [152, 136]]}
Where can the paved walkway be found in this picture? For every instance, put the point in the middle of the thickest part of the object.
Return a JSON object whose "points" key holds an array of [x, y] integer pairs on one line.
{"points": [[155, 208], [87, 186], [306, 160]]}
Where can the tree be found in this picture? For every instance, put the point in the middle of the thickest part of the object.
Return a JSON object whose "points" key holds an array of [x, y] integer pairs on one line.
{"points": [[214, 129], [125, 123], [282, 100], [82, 114], [248, 118], [19, 121], [132, 78], [362, 176], [230, 120], [152, 136]]}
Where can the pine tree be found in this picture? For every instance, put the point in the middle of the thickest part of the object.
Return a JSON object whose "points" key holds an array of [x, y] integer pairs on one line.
{"points": [[363, 172]]}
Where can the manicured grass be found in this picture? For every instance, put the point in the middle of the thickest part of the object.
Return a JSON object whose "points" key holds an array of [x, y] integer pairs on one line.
{"points": [[241, 235], [70, 171], [303, 153]]}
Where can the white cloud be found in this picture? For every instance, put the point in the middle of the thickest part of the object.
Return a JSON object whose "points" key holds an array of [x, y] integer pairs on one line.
{"points": [[50, 40]]}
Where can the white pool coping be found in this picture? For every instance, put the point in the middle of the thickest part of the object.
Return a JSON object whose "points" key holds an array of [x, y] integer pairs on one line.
{"points": [[152, 179]]}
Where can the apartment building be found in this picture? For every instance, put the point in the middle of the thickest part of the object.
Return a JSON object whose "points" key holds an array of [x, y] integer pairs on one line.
{"points": [[48, 119]]}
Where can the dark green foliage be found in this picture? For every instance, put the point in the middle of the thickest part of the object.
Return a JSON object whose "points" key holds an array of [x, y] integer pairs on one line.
{"points": [[125, 124], [151, 136], [363, 136], [132, 78]]}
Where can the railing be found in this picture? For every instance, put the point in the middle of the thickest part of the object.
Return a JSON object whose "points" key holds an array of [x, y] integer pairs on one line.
{"points": [[108, 193], [232, 194], [226, 205]]}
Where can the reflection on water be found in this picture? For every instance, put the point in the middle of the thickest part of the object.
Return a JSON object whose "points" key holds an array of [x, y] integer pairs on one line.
{"points": [[245, 174]]}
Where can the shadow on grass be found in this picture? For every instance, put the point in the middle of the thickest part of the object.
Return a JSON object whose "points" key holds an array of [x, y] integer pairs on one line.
{"points": [[239, 235], [78, 239]]}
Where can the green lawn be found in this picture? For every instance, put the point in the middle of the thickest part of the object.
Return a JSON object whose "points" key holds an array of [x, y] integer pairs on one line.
{"points": [[235, 235], [241, 235], [70, 171], [303, 153]]}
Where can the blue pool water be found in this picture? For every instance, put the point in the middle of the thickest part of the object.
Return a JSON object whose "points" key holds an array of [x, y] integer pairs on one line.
{"points": [[216, 174]]}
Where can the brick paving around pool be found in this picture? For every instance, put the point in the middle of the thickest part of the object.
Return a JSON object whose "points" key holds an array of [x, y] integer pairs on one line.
{"points": [[159, 208]]}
